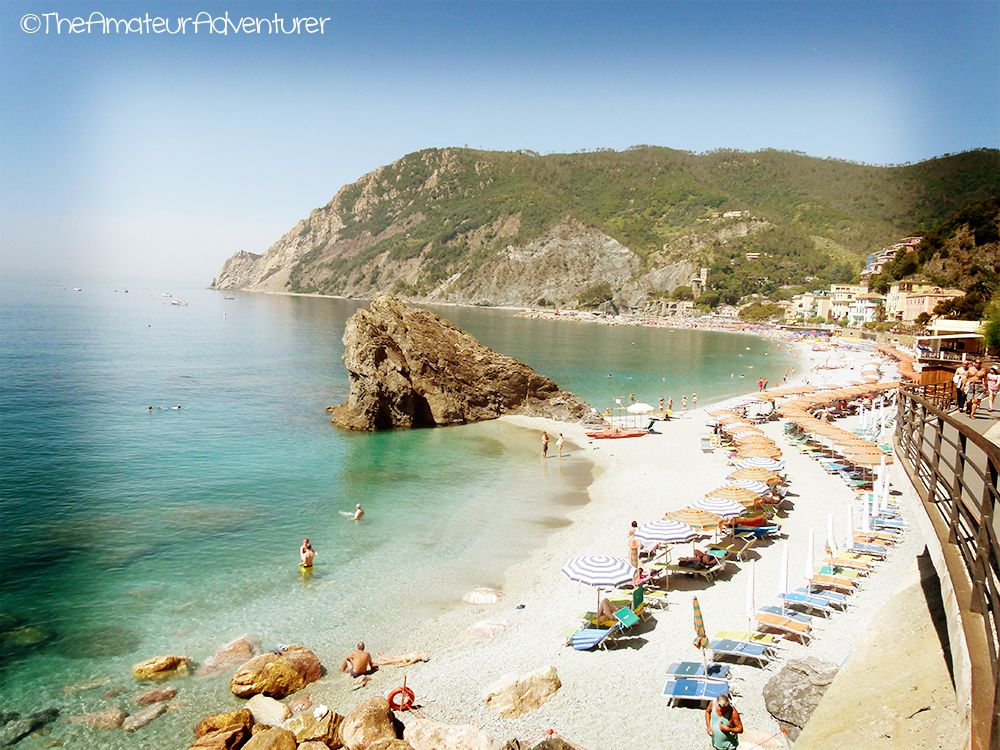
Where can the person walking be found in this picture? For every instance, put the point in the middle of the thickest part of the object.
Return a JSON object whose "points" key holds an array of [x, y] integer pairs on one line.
{"points": [[959, 381], [545, 445], [975, 386], [723, 723], [992, 384], [633, 545], [560, 441]]}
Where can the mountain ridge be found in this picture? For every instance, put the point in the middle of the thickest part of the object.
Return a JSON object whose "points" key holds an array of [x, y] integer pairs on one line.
{"points": [[515, 228]]}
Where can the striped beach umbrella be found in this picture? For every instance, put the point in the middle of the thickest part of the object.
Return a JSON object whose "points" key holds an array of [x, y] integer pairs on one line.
{"points": [[700, 520], [700, 638], [745, 433], [755, 486], [732, 494], [760, 462], [719, 506], [665, 531], [600, 571], [754, 474]]}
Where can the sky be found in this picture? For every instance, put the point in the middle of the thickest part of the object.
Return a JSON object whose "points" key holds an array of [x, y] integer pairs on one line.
{"points": [[145, 157]]}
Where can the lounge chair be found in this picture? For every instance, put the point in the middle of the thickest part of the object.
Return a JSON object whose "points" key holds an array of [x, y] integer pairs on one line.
{"points": [[626, 618], [699, 670], [763, 639], [808, 602], [638, 601], [733, 547], [850, 563], [687, 689], [777, 609], [879, 551], [832, 598], [739, 650], [784, 624], [706, 445], [828, 581], [706, 573], [588, 639]]}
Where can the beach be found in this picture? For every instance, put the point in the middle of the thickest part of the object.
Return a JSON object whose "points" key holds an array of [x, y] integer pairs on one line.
{"points": [[612, 698]]}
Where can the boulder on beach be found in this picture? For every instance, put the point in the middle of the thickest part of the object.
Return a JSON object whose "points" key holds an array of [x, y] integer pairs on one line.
{"points": [[792, 693], [161, 667], [369, 722], [156, 695], [277, 675], [318, 725], [268, 711], [482, 596], [142, 718], [215, 722], [411, 368], [109, 718], [387, 745], [514, 695], [227, 738], [427, 734], [272, 738], [234, 653]]}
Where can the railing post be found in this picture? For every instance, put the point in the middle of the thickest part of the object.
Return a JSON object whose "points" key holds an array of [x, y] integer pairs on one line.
{"points": [[957, 488], [982, 561]]}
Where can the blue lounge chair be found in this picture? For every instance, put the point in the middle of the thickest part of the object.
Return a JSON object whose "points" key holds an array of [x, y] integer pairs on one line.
{"points": [[739, 650], [776, 610], [588, 639], [811, 603], [830, 597], [688, 689], [699, 670]]}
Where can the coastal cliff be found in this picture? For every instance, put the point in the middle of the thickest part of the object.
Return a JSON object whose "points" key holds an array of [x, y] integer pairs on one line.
{"points": [[411, 368]]}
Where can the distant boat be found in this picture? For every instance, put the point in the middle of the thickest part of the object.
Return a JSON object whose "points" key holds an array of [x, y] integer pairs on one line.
{"points": [[77, 289], [229, 297], [166, 294], [178, 303]]}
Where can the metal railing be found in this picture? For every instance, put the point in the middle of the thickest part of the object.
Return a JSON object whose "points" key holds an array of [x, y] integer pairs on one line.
{"points": [[955, 471]]}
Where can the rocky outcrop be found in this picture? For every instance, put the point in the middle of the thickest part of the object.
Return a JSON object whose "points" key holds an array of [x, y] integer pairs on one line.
{"points": [[319, 725], [156, 695], [215, 722], [276, 675], [272, 738], [19, 728], [109, 718], [427, 734], [161, 668], [227, 738], [412, 368], [232, 654], [793, 693], [268, 711], [368, 723], [145, 716], [514, 696]]}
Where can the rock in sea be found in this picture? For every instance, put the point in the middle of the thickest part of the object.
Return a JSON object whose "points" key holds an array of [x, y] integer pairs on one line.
{"points": [[142, 718], [215, 722], [156, 695], [17, 729], [427, 734], [161, 667], [308, 727], [232, 654], [227, 738], [482, 596], [268, 711], [109, 718], [411, 368], [271, 738], [276, 675]]}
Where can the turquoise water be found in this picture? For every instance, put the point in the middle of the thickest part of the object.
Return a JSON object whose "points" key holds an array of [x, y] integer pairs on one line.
{"points": [[127, 533]]}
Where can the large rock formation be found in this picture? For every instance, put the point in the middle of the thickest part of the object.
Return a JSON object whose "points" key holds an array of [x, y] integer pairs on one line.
{"points": [[412, 368], [793, 693], [515, 695], [277, 675]]}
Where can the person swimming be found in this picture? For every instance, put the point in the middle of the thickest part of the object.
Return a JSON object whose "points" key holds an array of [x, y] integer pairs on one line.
{"points": [[358, 512], [306, 553]]}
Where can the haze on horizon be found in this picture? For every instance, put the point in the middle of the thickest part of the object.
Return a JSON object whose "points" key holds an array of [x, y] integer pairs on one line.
{"points": [[153, 158]]}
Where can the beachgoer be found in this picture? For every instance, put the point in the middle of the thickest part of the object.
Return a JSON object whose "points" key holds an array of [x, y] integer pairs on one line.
{"points": [[670, 405], [723, 723], [959, 380], [684, 403], [358, 512], [975, 386], [694, 400], [662, 406], [307, 553], [545, 444], [633, 545], [992, 384], [560, 441], [700, 559], [765, 384], [359, 664], [405, 660], [606, 612], [149, 409], [760, 384]]}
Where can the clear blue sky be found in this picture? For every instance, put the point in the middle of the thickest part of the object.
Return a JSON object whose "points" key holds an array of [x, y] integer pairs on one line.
{"points": [[147, 157]]}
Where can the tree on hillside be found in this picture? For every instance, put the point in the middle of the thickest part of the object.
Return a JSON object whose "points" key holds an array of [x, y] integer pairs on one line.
{"points": [[757, 312], [683, 293], [595, 294]]}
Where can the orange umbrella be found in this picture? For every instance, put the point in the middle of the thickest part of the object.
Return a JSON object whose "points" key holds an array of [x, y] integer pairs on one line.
{"points": [[756, 474], [699, 519], [736, 494], [758, 452]]}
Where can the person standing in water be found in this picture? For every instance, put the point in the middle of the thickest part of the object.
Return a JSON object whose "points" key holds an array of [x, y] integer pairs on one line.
{"points": [[559, 444], [358, 512], [684, 403], [306, 553], [545, 444], [694, 400]]}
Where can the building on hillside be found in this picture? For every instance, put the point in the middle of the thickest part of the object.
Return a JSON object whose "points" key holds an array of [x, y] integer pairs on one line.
{"points": [[865, 309], [924, 302], [895, 300], [753, 256], [945, 326], [878, 260], [841, 297], [736, 214], [815, 304], [699, 282]]}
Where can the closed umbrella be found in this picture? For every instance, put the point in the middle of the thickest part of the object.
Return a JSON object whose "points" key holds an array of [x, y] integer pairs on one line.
{"points": [[810, 565], [849, 536], [783, 578], [600, 571], [751, 606], [831, 542], [719, 505], [701, 641]]}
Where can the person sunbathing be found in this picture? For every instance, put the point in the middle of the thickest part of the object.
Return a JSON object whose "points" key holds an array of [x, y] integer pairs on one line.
{"points": [[606, 612], [404, 660], [700, 560]]}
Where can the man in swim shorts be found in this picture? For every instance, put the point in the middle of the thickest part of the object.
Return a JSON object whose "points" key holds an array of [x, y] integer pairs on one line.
{"points": [[359, 664], [307, 553], [358, 512]]}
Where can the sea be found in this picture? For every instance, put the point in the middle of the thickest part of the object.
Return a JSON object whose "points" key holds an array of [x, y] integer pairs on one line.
{"points": [[127, 532]]}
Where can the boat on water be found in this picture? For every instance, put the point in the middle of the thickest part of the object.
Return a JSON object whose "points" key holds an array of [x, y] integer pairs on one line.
{"points": [[178, 303]]}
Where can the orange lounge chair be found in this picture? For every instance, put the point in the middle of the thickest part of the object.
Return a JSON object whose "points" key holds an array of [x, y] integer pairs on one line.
{"points": [[786, 625]]}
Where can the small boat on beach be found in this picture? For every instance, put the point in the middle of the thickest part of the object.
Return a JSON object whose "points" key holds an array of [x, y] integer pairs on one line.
{"points": [[616, 433]]}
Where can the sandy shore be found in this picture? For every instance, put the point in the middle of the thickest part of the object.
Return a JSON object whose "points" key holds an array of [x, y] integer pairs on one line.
{"points": [[613, 698]]}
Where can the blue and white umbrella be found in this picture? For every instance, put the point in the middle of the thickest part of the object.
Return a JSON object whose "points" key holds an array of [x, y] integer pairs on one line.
{"points": [[601, 571], [665, 531], [750, 484], [760, 462], [719, 505]]}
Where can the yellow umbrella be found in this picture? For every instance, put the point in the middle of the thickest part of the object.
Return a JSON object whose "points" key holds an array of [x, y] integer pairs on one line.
{"points": [[699, 519], [757, 474], [737, 494], [751, 452]]}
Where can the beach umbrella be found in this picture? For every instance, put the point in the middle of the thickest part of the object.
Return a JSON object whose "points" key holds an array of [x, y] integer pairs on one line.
{"points": [[734, 493], [639, 408], [760, 462], [701, 641], [758, 452], [751, 583], [737, 436], [700, 520], [758, 488], [885, 493], [665, 531], [719, 506], [600, 571], [755, 474], [831, 542]]}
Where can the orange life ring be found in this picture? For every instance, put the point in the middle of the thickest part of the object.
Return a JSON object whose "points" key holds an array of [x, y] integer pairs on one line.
{"points": [[401, 699]]}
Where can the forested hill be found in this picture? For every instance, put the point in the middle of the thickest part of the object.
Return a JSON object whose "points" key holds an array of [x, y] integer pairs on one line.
{"points": [[487, 227]]}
